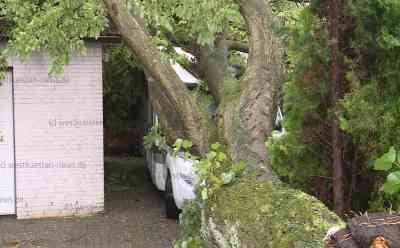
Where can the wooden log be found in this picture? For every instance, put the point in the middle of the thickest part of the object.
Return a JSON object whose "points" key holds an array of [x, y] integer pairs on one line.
{"points": [[380, 230]]}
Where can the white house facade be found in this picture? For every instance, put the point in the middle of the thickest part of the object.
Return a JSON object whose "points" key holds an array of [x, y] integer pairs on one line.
{"points": [[51, 137]]}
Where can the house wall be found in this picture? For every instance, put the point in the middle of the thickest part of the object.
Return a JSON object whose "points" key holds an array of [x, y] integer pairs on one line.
{"points": [[59, 136], [7, 182]]}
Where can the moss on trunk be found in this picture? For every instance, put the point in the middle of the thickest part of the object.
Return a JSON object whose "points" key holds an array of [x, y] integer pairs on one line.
{"points": [[261, 214]]}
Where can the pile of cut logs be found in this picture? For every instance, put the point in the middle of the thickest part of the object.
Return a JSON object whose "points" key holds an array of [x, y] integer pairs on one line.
{"points": [[368, 231]]}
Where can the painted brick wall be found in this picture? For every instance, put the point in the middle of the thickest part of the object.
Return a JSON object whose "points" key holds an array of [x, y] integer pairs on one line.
{"points": [[7, 182], [59, 136]]}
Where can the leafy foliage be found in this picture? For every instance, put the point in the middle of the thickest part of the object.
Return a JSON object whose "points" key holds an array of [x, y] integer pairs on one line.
{"points": [[60, 27], [301, 154], [155, 138], [183, 145], [197, 20], [385, 162], [389, 162], [368, 113], [124, 90], [371, 110], [57, 26], [214, 170], [190, 221]]}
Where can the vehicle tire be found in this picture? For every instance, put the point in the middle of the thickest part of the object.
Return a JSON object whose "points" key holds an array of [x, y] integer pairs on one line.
{"points": [[171, 210], [148, 175]]}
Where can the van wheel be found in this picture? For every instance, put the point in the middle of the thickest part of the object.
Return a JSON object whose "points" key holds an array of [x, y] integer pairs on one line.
{"points": [[148, 174], [171, 209]]}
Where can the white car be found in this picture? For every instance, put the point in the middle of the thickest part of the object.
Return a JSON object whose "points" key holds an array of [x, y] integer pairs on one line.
{"points": [[173, 175]]}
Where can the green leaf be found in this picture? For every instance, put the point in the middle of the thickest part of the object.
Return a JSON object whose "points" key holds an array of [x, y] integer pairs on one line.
{"points": [[239, 167], [227, 178], [344, 124], [221, 157], [391, 188], [215, 146], [187, 144], [187, 156], [211, 155], [178, 143], [385, 162], [394, 177], [204, 194]]}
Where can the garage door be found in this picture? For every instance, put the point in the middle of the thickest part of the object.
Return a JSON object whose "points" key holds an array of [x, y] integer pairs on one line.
{"points": [[7, 168]]}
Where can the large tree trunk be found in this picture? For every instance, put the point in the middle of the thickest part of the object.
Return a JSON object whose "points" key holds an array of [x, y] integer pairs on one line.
{"points": [[249, 122], [179, 113]]}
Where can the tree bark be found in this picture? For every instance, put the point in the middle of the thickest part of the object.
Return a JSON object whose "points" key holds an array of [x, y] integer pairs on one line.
{"points": [[214, 65], [335, 13], [180, 115], [254, 117]]}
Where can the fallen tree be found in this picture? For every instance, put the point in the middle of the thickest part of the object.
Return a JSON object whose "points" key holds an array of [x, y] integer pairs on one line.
{"points": [[252, 213], [257, 211]]}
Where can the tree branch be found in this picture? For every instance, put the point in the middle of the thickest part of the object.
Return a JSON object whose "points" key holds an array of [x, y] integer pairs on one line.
{"points": [[180, 115], [214, 64], [258, 101]]}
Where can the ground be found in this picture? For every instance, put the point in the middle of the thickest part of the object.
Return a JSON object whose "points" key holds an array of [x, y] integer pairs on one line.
{"points": [[134, 217]]}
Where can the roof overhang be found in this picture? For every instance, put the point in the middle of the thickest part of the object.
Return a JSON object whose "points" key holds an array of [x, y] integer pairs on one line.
{"points": [[186, 77]]}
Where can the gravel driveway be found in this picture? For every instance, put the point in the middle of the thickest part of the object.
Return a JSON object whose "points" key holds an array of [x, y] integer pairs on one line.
{"points": [[134, 217]]}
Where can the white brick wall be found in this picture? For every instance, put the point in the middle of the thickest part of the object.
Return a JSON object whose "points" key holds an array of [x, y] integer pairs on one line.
{"points": [[59, 136], [7, 182]]}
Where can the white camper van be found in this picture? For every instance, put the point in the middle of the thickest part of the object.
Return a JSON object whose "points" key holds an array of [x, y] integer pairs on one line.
{"points": [[173, 175]]}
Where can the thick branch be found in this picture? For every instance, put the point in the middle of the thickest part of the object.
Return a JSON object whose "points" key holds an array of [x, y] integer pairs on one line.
{"points": [[214, 65], [179, 113], [257, 103]]}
